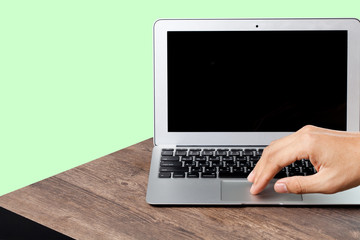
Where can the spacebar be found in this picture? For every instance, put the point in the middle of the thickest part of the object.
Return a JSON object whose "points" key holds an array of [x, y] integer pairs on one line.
{"points": [[233, 175]]}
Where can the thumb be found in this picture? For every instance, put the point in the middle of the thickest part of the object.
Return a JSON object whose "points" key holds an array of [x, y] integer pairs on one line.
{"points": [[299, 184]]}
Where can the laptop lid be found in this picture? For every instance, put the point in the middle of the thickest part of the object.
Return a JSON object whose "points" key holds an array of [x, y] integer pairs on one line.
{"points": [[251, 81]]}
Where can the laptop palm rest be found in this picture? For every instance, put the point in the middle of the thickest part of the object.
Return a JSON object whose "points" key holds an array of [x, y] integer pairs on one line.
{"points": [[235, 190]]}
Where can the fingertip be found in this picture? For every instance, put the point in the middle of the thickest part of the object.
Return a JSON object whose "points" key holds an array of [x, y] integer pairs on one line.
{"points": [[251, 176], [254, 189], [280, 187], [258, 185]]}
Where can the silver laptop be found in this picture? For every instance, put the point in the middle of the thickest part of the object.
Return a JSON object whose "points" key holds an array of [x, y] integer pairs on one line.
{"points": [[226, 88]]}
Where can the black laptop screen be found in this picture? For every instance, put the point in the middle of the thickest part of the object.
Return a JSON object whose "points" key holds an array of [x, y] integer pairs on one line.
{"points": [[256, 81]]}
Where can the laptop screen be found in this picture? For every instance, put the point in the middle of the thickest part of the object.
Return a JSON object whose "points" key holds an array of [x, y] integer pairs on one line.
{"points": [[256, 81]]}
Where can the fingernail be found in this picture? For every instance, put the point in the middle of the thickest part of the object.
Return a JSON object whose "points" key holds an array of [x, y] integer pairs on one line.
{"points": [[250, 178], [281, 188]]}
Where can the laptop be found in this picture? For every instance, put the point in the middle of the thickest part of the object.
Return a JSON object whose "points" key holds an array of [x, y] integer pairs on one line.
{"points": [[225, 88]]}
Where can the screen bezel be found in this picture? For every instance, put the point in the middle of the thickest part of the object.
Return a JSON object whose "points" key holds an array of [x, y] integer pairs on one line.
{"points": [[161, 27]]}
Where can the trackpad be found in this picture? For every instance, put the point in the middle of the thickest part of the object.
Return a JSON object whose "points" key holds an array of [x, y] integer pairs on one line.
{"points": [[239, 191]]}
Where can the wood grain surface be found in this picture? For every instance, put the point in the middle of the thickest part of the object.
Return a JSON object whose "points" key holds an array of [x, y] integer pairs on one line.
{"points": [[105, 199]]}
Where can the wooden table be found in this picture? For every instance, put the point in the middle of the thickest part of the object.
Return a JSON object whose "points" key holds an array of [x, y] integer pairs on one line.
{"points": [[105, 199]]}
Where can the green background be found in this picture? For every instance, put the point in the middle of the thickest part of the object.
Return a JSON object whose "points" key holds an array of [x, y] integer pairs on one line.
{"points": [[76, 76]]}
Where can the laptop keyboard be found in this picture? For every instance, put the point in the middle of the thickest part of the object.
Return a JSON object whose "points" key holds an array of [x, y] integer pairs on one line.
{"points": [[220, 163]]}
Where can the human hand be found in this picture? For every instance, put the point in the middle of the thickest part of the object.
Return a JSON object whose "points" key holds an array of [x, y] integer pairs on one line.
{"points": [[334, 154]]}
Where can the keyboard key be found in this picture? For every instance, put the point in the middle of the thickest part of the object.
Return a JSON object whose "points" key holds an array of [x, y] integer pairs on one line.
{"points": [[195, 169], [180, 153], [214, 158], [168, 158], [209, 149], [189, 163], [203, 163], [241, 158], [178, 175], [168, 149], [297, 164], [210, 169], [241, 163], [234, 153], [215, 163], [167, 153], [174, 169], [224, 169], [200, 158], [170, 164], [238, 169], [208, 175], [164, 175], [187, 159], [207, 153], [230, 163], [193, 175], [248, 152], [220, 153], [194, 153]]}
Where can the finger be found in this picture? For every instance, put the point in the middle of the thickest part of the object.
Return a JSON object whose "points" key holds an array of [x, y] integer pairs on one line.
{"points": [[250, 178], [300, 184], [277, 144], [273, 161]]}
